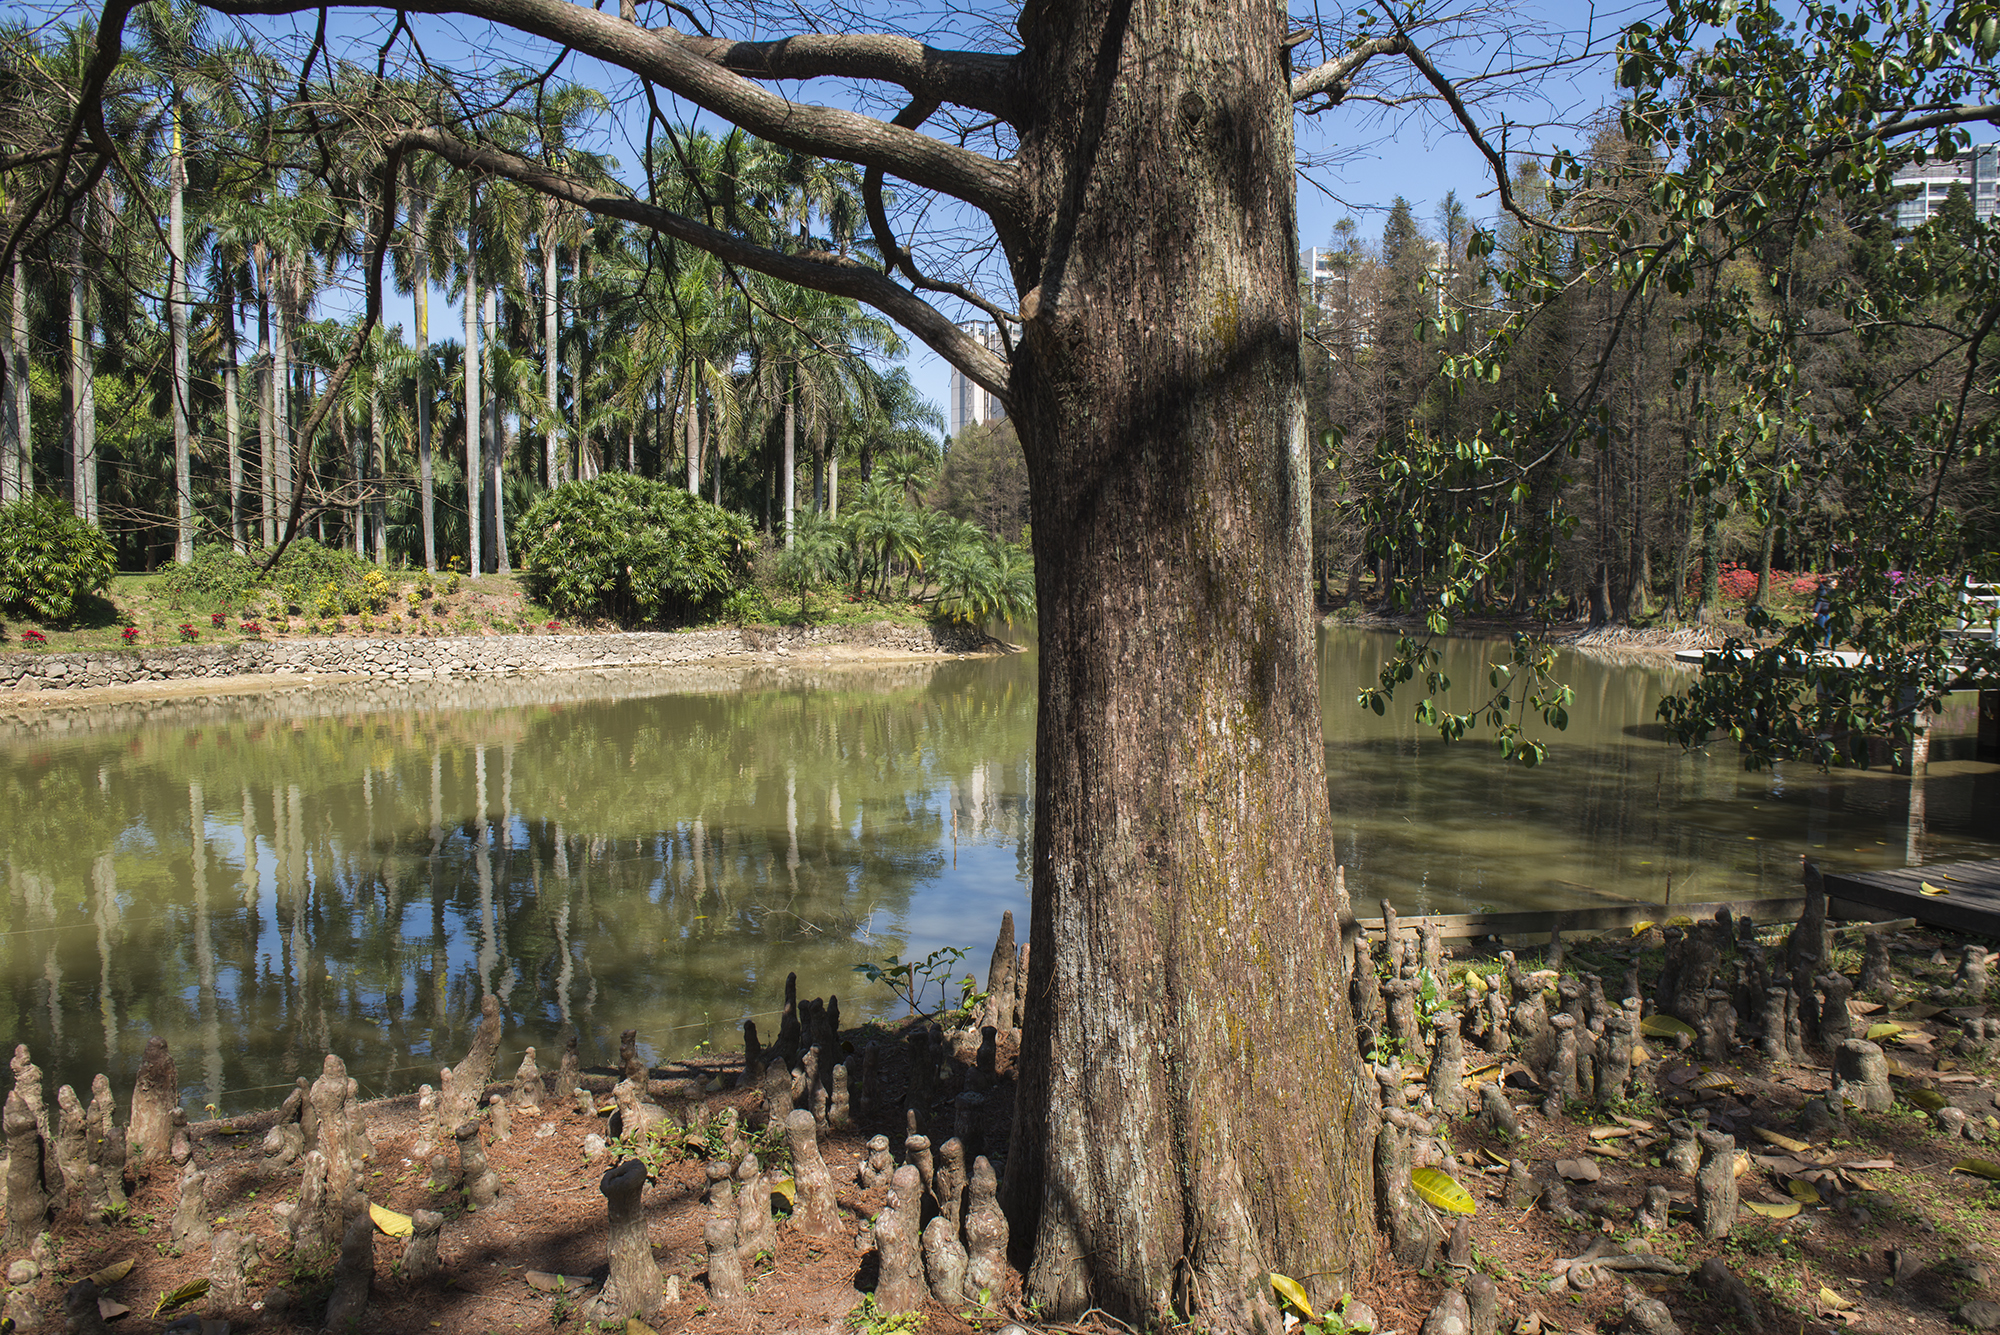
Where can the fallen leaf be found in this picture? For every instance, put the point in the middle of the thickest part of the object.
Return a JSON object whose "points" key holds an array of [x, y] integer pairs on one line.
{"points": [[1294, 1294], [785, 1187], [1867, 1165], [1609, 1132], [180, 1297], [1927, 1099], [1985, 1168], [111, 1274], [1636, 1123], [1665, 1026], [1579, 1170], [1930, 889], [395, 1225], [634, 1326], [1773, 1209], [1441, 1190], [1804, 1192], [1833, 1301], [1771, 1137]]}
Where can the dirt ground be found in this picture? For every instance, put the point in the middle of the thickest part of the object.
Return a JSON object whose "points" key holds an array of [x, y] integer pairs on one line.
{"points": [[1896, 1235]]}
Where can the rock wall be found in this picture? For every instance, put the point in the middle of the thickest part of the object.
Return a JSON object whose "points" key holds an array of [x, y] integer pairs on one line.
{"points": [[408, 657]]}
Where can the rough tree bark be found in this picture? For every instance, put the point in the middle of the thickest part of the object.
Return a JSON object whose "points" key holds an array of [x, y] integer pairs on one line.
{"points": [[1187, 1119]]}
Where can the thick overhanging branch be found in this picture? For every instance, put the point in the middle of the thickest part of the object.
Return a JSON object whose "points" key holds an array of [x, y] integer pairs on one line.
{"points": [[1336, 77], [898, 256], [972, 79], [825, 131], [823, 273]]}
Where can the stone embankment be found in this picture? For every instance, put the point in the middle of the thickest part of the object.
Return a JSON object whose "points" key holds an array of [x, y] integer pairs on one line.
{"points": [[422, 657]]}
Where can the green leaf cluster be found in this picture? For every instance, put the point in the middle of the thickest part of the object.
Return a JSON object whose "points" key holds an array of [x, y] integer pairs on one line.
{"points": [[50, 560], [636, 550]]}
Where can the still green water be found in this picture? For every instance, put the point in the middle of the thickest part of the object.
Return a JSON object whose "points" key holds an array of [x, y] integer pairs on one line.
{"points": [[351, 868]]}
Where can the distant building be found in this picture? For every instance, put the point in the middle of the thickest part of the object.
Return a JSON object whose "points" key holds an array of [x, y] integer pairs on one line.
{"points": [[971, 403], [1976, 168]]}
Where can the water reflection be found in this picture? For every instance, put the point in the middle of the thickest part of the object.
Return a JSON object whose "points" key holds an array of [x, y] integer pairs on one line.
{"points": [[591, 851], [354, 867]]}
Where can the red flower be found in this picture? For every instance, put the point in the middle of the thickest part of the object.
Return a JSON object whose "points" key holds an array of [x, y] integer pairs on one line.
{"points": [[216, 619], [189, 633], [33, 637], [131, 634]]}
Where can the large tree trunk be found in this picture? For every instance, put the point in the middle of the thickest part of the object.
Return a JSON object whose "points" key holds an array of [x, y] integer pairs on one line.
{"points": [[1191, 1110], [232, 416], [693, 429]]}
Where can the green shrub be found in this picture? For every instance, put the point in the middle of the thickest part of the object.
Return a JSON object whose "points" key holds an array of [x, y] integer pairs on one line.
{"points": [[633, 549], [216, 575], [219, 576], [49, 559]]}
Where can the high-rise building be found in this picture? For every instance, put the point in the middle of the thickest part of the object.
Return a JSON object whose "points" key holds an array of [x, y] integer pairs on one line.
{"points": [[971, 403], [1976, 168]]}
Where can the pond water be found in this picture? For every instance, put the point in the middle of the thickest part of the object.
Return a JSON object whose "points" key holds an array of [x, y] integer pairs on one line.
{"points": [[350, 868]]}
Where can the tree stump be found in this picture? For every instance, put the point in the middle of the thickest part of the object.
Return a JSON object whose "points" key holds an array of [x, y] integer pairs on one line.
{"points": [[156, 1092], [354, 1273], [815, 1214], [190, 1224], [1836, 1022], [633, 1286], [466, 1090], [27, 1187], [1412, 1238], [232, 1257], [878, 1167], [756, 1229], [1715, 1184], [482, 1184], [900, 1286], [944, 1262], [420, 1257], [564, 1088], [985, 1229], [1447, 1070], [528, 1093], [948, 1184], [999, 1008], [1864, 1071]]}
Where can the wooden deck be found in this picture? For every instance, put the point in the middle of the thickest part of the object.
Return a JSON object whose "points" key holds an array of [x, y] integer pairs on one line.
{"points": [[1971, 902]]}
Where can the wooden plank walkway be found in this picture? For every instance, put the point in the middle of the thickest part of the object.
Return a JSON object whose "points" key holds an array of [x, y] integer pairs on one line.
{"points": [[1971, 902]]}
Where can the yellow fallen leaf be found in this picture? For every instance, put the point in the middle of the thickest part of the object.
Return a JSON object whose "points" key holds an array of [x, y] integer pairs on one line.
{"points": [[785, 1187], [1442, 1190], [1773, 1209], [1641, 928], [1985, 1168], [395, 1225], [634, 1326], [1294, 1294], [1927, 1099], [1803, 1191], [1887, 1029], [111, 1274], [1930, 889], [1770, 1137], [1828, 1298], [1665, 1026]]}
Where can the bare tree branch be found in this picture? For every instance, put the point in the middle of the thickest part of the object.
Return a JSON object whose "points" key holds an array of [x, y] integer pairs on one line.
{"points": [[973, 79], [822, 272], [825, 131], [1335, 77]]}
